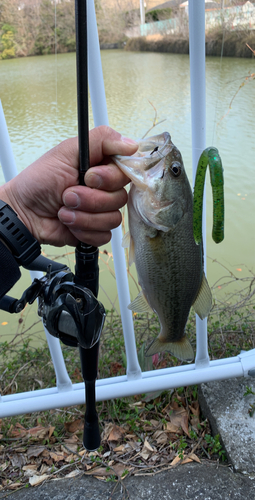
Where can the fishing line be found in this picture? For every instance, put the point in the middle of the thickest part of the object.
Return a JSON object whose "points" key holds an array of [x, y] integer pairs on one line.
{"points": [[56, 70], [56, 103], [219, 86]]}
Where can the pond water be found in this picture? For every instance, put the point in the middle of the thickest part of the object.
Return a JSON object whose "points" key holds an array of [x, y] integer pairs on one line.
{"points": [[38, 95]]}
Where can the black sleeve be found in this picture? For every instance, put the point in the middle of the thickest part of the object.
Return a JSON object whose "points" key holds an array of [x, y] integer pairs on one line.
{"points": [[9, 270]]}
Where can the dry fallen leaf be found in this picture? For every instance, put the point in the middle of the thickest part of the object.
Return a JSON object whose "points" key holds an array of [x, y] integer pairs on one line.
{"points": [[14, 486], [194, 458], [180, 418], [35, 451], [119, 449], [155, 423], [38, 432], [99, 471], [170, 427], [162, 437], [18, 460], [17, 431], [147, 450], [57, 456], [76, 425], [35, 480], [186, 460], [120, 468], [116, 433], [194, 408], [69, 458], [32, 467], [73, 473], [176, 460], [71, 444], [147, 445]]}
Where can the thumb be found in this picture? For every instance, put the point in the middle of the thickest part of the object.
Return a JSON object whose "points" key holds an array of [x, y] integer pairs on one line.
{"points": [[104, 141]]}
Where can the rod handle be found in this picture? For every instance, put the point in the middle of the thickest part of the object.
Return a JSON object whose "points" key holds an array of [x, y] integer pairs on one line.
{"points": [[89, 362]]}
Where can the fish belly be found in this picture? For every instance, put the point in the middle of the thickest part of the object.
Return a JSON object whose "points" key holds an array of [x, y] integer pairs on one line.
{"points": [[169, 268]]}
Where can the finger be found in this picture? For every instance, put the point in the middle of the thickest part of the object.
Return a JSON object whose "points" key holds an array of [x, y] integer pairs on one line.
{"points": [[108, 177], [94, 238], [82, 221], [85, 199], [104, 141]]}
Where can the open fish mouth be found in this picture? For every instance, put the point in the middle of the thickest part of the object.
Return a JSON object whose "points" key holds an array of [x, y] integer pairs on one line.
{"points": [[148, 161], [155, 145]]}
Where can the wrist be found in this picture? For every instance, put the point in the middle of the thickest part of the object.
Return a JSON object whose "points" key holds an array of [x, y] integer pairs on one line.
{"points": [[6, 195], [16, 237]]}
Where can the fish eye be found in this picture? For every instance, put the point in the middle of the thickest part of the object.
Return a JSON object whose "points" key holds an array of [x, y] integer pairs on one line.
{"points": [[176, 169]]}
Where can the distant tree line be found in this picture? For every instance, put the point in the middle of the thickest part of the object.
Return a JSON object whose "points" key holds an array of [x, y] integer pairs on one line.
{"points": [[35, 27], [30, 28]]}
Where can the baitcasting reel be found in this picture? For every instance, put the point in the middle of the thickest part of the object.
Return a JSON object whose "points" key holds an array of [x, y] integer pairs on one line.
{"points": [[70, 312]]}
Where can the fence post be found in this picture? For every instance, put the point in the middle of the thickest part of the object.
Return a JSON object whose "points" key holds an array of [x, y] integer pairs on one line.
{"points": [[198, 127]]}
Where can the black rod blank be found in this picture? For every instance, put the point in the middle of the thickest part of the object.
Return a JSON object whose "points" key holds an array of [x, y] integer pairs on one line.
{"points": [[86, 270], [82, 85]]}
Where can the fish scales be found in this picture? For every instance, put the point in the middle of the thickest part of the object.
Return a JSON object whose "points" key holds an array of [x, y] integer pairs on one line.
{"points": [[169, 263], [166, 280]]}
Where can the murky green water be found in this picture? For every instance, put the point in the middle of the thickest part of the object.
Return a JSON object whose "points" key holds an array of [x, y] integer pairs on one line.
{"points": [[38, 95]]}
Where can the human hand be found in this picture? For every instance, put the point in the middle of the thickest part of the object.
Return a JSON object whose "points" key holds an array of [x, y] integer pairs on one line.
{"points": [[56, 210]]}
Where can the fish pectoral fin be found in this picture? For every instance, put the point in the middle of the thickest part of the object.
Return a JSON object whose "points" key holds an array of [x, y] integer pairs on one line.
{"points": [[131, 253], [128, 242], [181, 349], [203, 302], [140, 304]]}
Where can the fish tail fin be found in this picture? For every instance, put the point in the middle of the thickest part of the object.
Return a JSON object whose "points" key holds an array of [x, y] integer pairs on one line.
{"points": [[203, 302], [181, 349]]}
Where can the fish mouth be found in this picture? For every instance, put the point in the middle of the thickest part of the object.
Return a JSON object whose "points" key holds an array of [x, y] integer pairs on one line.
{"points": [[148, 161]]}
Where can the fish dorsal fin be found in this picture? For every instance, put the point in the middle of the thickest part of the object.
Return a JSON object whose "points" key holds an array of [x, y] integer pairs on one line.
{"points": [[203, 302], [128, 242], [140, 304]]}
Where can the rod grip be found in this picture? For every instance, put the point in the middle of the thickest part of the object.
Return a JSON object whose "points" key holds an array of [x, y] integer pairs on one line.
{"points": [[89, 364]]}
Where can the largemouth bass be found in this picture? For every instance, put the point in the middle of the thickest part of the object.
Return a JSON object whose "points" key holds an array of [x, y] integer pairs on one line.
{"points": [[169, 263]]}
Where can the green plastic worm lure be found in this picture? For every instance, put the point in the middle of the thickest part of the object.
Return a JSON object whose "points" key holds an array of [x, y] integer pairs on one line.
{"points": [[209, 156]]}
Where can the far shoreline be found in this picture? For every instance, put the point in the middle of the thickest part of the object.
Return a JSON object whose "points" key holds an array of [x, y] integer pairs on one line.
{"points": [[227, 44]]}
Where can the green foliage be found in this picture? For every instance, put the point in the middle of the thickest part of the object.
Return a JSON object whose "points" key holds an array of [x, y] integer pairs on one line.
{"points": [[214, 446], [250, 392], [7, 43], [158, 15], [36, 29], [7, 27], [182, 445]]}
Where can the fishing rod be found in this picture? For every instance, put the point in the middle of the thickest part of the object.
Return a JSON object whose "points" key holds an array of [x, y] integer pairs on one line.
{"points": [[86, 268], [67, 302]]}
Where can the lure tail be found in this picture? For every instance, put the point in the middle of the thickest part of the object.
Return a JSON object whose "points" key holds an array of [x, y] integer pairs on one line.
{"points": [[211, 157]]}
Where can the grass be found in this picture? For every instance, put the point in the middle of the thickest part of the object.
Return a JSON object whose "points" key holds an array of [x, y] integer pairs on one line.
{"points": [[144, 433]]}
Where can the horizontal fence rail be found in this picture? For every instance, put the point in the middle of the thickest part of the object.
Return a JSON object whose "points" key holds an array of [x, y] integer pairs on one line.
{"points": [[117, 387]]}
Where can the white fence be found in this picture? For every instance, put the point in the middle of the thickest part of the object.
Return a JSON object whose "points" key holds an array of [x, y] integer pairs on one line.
{"points": [[237, 17], [134, 382]]}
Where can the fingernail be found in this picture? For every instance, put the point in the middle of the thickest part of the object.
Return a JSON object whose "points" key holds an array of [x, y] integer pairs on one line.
{"points": [[93, 180], [71, 200], [66, 216], [127, 140]]}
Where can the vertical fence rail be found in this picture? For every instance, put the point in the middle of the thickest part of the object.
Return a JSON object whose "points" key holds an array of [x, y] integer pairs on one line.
{"points": [[198, 127], [8, 164], [135, 382], [99, 109]]}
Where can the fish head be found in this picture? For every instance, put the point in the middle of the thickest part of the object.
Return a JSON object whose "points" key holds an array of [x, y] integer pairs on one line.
{"points": [[161, 192]]}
